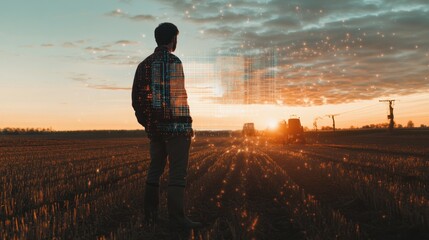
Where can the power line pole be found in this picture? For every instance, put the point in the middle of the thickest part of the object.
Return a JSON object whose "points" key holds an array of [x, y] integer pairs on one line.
{"points": [[333, 120], [390, 116]]}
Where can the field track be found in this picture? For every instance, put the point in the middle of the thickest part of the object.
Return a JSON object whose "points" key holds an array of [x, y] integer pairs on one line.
{"points": [[241, 188]]}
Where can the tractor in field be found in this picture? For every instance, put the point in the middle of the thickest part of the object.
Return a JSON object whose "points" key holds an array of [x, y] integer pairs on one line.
{"points": [[292, 131], [248, 129]]}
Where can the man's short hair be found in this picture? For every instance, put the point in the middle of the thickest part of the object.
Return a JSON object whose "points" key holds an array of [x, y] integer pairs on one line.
{"points": [[165, 32]]}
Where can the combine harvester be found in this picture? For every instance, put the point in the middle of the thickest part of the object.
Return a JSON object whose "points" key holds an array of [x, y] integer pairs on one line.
{"points": [[248, 129], [292, 131]]}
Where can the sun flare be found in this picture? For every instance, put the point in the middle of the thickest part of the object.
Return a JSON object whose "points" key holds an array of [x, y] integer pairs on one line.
{"points": [[272, 124]]}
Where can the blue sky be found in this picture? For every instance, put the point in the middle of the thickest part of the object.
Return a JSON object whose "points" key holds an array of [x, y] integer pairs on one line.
{"points": [[70, 64]]}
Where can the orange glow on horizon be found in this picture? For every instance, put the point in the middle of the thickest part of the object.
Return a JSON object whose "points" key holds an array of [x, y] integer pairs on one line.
{"points": [[272, 124]]}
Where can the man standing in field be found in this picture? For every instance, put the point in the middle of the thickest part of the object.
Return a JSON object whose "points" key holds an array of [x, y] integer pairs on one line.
{"points": [[160, 103]]}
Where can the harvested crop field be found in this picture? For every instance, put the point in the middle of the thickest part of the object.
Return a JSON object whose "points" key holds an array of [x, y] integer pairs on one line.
{"points": [[344, 185]]}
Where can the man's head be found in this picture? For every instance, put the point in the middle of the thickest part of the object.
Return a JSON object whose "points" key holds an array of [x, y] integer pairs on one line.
{"points": [[166, 34]]}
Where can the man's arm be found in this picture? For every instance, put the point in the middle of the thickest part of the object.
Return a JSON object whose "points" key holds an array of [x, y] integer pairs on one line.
{"points": [[179, 97], [141, 95]]}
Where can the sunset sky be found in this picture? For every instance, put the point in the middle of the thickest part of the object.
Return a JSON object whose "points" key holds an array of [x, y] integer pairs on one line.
{"points": [[69, 65]]}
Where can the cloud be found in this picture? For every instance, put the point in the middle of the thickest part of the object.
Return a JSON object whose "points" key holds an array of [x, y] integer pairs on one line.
{"points": [[126, 42], [47, 45], [96, 49], [80, 77], [69, 45], [226, 17], [288, 22], [110, 47], [121, 52], [140, 17], [95, 82], [109, 87], [74, 44], [325, 51], [116, 13]]}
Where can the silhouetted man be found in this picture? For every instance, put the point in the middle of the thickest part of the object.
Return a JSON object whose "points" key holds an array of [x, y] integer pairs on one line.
{"points": [[160, 104]]}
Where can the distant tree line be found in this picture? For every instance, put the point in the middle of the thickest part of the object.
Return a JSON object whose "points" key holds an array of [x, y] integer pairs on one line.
{"points": [[378, 125], [18, 131], [410, 124]]}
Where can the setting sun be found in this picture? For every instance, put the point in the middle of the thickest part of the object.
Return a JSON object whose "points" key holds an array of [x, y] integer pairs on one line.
{"points": [[272, 124]]}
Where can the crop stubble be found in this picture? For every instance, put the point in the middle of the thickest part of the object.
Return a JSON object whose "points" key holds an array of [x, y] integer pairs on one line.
{"points": [[241, 188]]}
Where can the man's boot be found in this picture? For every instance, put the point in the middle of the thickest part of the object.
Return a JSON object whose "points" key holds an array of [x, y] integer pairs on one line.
{"points": [[151, 203], [176, 213]]}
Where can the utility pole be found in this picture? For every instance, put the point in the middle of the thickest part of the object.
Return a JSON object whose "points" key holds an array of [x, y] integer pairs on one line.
{"points": [[333, 120], [390, 116]]}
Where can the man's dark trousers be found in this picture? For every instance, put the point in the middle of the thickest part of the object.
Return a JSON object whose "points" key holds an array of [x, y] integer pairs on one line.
{"points": [[177, 150]]}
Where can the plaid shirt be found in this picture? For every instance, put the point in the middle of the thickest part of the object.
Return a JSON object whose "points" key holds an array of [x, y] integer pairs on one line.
{"points": [[159, 97]]}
